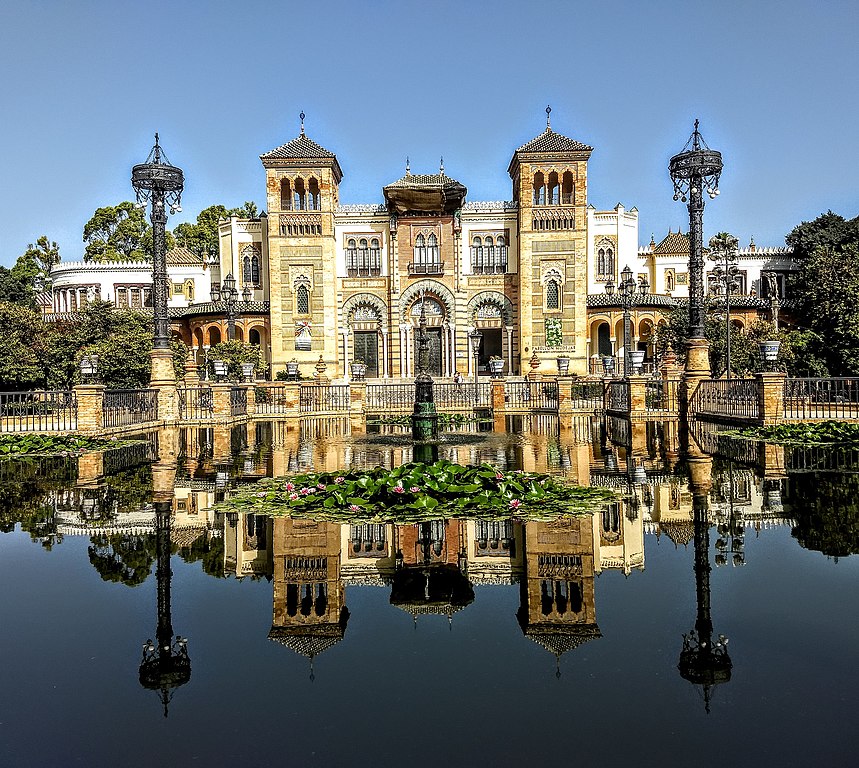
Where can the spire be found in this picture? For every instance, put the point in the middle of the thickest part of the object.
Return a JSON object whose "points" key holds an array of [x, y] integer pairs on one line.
{"points": [[652, 241], [548, 119], [441, 166], [408, 167], [301, 115]]}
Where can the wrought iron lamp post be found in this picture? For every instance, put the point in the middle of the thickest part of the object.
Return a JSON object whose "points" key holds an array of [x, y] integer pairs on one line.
{"points": [[694, 171], [227, 294], [158, 182], [474, 339], [726, 274], [424, 416], [627, 294]]}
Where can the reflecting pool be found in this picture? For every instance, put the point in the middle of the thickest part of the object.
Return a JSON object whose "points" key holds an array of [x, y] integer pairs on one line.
{"points": [[705, 616]]}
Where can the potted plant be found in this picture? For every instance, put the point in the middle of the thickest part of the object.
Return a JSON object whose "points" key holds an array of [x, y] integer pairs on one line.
{"points": [[248, 372], [359, 369], [563, 365], [636, 360], [292, 369], [769, 353], [496, 366]]}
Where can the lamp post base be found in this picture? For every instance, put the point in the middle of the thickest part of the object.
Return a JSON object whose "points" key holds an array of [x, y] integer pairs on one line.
{"points": [[697, 368], [163, 378]]}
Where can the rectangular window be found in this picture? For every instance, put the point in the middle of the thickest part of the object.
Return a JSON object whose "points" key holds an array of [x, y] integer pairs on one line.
{"points": [[122, 297], [135, 298]]}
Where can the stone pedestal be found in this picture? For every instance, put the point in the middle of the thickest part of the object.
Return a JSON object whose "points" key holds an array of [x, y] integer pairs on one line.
{"points": [[90, 398], [770, 396], [637, 396], [697, 368], [498, 395], [163, 379], [221, 408]]}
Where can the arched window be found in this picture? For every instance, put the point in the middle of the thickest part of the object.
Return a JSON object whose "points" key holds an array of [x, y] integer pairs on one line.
{"points": [[363, 254], [669, 280], [539, 189], [554, 189], [432, 250], [285, 195], [299, 197], [313, 197], [568, 190], [351, 257], [553, 295], [420, 250], [477, 255], [605, 261], [251, 265], [490, 254], [500, 254], [375, 257], [302, 300]]}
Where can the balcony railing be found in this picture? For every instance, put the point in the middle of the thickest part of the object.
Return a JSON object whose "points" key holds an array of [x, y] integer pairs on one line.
{"points": [[363, 271], [428, 268], [195, 403], [122, 407], [238, 401], [489, 269], [323, 397], [726, 397], [811, 398], [38, 411]]}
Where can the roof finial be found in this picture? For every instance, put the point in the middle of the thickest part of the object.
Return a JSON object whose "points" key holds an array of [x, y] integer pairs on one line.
{"points": [[301, 115], [441, 166], [548, 119], [408, 167], [157, 149]]}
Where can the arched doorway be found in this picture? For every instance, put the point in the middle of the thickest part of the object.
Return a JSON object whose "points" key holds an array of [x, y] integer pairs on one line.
{"points": [[365, 322], [604, 340]]}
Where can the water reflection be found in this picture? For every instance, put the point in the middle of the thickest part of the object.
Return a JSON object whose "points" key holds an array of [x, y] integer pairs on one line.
{"points": [[139, 504]]}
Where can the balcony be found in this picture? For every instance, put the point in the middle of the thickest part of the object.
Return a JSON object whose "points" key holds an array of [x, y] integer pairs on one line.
{"points": [[489, 269], [428, 268], [354, 271]]}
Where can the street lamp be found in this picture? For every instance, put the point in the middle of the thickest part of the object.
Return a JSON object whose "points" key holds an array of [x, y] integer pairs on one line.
{"points": [[696, 170], [226, 294], [627, 295], [159, 182], [474, 339], [726, 274]]}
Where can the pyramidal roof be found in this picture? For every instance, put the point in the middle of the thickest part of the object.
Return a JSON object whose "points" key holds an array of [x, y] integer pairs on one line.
{"points": [[300, 147], [549, 141], [673, 242]]}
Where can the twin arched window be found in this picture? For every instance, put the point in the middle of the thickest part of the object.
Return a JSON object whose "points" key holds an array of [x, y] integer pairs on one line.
{"points": [[426, 251], [363, 257], [605, 262], [251, 266]]}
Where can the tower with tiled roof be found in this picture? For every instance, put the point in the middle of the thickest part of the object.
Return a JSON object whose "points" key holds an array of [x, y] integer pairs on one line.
{"points": [[302, 193], [549, 176]]}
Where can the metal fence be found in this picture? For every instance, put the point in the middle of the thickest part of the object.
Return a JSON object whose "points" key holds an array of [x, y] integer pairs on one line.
{"points": [[323, 397], [122, 407], [618, 395], [390, 397], [238, 401], [195, 403], [38, 411], [465, 395], [271, 399], [662, 395], [811, 398], [531, 395], [588, 396], [737, 398]]}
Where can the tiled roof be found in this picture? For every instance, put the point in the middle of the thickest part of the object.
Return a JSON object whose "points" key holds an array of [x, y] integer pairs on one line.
{"points": [[549, 141], [559, 639], [673, 242], [308, 641], [420, 180], [183, 257], [300, 147]]}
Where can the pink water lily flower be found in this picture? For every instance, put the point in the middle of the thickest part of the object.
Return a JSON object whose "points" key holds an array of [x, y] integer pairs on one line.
{"points": [[415, 489], [354, 508], [499, 475], [515, 504], [398, 489], [293, 496], [290, 487], [261, 494], [320, 486], [339, 480], [306, 491]]}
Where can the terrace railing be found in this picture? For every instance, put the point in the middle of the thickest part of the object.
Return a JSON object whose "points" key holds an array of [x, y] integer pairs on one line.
{"points": [[195, 403], [812, 398], [662, 395], [38, 411], [122, 407], [588, 396], [323, 397], [390, 397], [736, 398], [271, 399], [531, 395], [238, 401], [618, 395], [461, 396]]}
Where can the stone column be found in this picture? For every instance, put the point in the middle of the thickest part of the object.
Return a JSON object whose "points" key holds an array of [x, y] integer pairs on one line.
{"points": [[770, 396], [357, 401], [509, 330], [347, 371], [163, 379], [90, 399], [637, 396], [221, 409], [697, 368]]}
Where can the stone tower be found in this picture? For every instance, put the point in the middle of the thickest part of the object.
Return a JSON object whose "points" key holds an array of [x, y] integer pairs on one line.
{"points": [[302, 194], [550, 177]]}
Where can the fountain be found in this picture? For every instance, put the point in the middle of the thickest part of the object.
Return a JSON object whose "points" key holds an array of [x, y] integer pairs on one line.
{"points": [[424, 416]]}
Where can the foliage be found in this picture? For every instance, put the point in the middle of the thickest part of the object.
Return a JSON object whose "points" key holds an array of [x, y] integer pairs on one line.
{"points": [[123, 558], [826, 512], [820, 433], [23, 363], [16, 285], [119, 233], [554, 335], [202, 238], [445, 420], [234, 353], [29, 443], [829, 231], [415, 492], [209, 550]]}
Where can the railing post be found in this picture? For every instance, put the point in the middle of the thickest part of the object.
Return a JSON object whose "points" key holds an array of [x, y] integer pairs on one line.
{"points": [[770, 396], [221, 404], [357, 404], [637, 396], [291, 398], [90, 399], [498, 393], [251, 408]]}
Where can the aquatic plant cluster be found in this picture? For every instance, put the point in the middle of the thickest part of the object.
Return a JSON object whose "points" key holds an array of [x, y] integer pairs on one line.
{"points": [[417, 491], [820, 433], [26, 444]]}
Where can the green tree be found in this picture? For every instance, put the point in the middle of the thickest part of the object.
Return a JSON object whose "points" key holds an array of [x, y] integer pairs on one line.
{"points": [[202, 238], [829, 230], [22, 353], [120, 233], [45, 255]]}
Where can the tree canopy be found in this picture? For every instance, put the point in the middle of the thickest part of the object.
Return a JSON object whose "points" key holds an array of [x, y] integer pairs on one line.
{"points": [[119, 233], [202, 238]]}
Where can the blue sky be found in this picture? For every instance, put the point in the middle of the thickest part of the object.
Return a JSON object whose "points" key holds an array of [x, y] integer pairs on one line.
{"points": [[86, 84]]}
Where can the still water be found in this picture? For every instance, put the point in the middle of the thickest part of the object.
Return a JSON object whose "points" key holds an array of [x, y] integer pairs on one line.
{"points": [[302, 643]]}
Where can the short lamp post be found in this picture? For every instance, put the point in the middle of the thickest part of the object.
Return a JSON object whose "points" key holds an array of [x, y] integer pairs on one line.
{"points": [[628, 293], [474, 339], [227, 294], [89, 368]]}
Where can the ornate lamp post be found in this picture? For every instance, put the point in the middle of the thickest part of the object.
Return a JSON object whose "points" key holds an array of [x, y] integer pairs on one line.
{"points": [[158, 182], [227, 294], [424, 416], [627, 295], [474, 339], [726, 274], [694, 171]]}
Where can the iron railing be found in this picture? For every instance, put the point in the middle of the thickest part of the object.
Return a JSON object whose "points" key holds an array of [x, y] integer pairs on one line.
{"points": [[122, 407], [426, 268], [618, 395], [38, 411], [314, 398], [662, 395], [531, 395], [588, 396], [271, 399], [812, 398], [465, 395], [195, 403], [238, 401], [737, 398], [390, 397]]}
